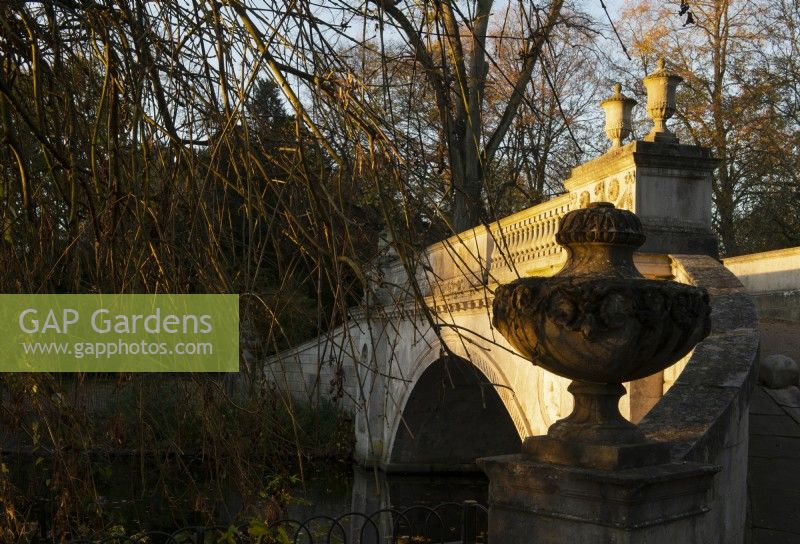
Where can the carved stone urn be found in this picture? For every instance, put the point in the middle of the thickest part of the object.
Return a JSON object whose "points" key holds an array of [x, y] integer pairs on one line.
{"points": [[599, 322], [661, 86], [618, 109]]}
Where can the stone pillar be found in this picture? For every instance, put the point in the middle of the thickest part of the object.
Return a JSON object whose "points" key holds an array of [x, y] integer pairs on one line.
{"points": [[546, 503], [668, 185], [644, 394], [596, 477]]}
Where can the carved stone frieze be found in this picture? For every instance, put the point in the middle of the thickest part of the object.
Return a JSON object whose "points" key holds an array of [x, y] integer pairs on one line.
{"points": [[599, 191], [613, 190], [625, 201]]}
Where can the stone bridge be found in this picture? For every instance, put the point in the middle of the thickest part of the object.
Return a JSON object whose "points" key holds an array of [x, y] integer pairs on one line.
{"points": [[432, 385]]}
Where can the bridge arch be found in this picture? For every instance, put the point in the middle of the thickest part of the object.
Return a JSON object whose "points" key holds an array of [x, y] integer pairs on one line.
{"points": [[456, 407]]}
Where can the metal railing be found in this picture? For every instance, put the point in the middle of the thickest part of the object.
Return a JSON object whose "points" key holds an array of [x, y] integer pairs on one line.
{"points": [[445, 523]]}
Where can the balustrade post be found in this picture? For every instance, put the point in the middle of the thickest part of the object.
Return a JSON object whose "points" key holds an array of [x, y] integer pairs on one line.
{"points": [[595, 477]]}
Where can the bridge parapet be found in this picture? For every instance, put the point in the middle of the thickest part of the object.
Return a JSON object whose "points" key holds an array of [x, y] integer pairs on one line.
{"points": [[668, 185], [506, 249], [772, 278]]}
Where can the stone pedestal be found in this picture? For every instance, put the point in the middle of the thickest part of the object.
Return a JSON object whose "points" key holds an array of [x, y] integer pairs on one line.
{"points": [[544, 503], [668, 185], [547, 449]]}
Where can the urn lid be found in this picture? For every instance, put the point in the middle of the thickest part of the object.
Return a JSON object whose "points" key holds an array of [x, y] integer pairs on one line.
{"points": [[661, 72], [600, 223], [618, 97]]}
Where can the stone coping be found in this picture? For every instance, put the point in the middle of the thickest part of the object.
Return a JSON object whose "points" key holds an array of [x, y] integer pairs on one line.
{"points": [[775, 253], [714, 389]]}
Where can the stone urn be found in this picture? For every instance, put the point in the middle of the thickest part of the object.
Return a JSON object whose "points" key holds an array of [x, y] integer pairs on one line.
{"points": [[661, 86], [599, 322], [618, 109]]}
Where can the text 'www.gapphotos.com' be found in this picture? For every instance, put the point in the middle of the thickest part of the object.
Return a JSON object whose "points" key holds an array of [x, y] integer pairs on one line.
{"points": [[107, 350]]}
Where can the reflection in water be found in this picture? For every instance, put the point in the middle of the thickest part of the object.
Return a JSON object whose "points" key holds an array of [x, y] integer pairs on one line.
{"points": [[370, 490], [330, 491]]}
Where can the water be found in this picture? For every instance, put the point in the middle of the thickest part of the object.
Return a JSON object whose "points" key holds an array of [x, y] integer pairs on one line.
{"points": [[329, 490], [356, 489]]}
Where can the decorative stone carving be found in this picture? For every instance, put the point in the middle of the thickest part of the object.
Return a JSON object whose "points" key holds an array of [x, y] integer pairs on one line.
{"points": [[661, 86], [553, 403], [600, 323], [613, 190], [599, 191], [618, 115], [620, 192]]}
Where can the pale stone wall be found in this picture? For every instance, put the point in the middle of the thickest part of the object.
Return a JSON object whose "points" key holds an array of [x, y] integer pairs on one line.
{"points": [[769, 271], [772, 278], [705, 412], [313, 371]]}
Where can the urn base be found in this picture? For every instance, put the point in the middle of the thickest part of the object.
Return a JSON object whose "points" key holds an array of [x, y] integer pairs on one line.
{"points": [[664, 136], [546, 449], [595, 435]]}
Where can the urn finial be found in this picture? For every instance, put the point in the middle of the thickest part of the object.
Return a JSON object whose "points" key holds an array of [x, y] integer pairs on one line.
{"points": [[661, 86], [601, 222], [618, 115]]}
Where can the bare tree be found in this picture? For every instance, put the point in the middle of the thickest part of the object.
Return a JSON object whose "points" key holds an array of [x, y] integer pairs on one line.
{"points": [[556, 125], [718, 105], [450, 42]]}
